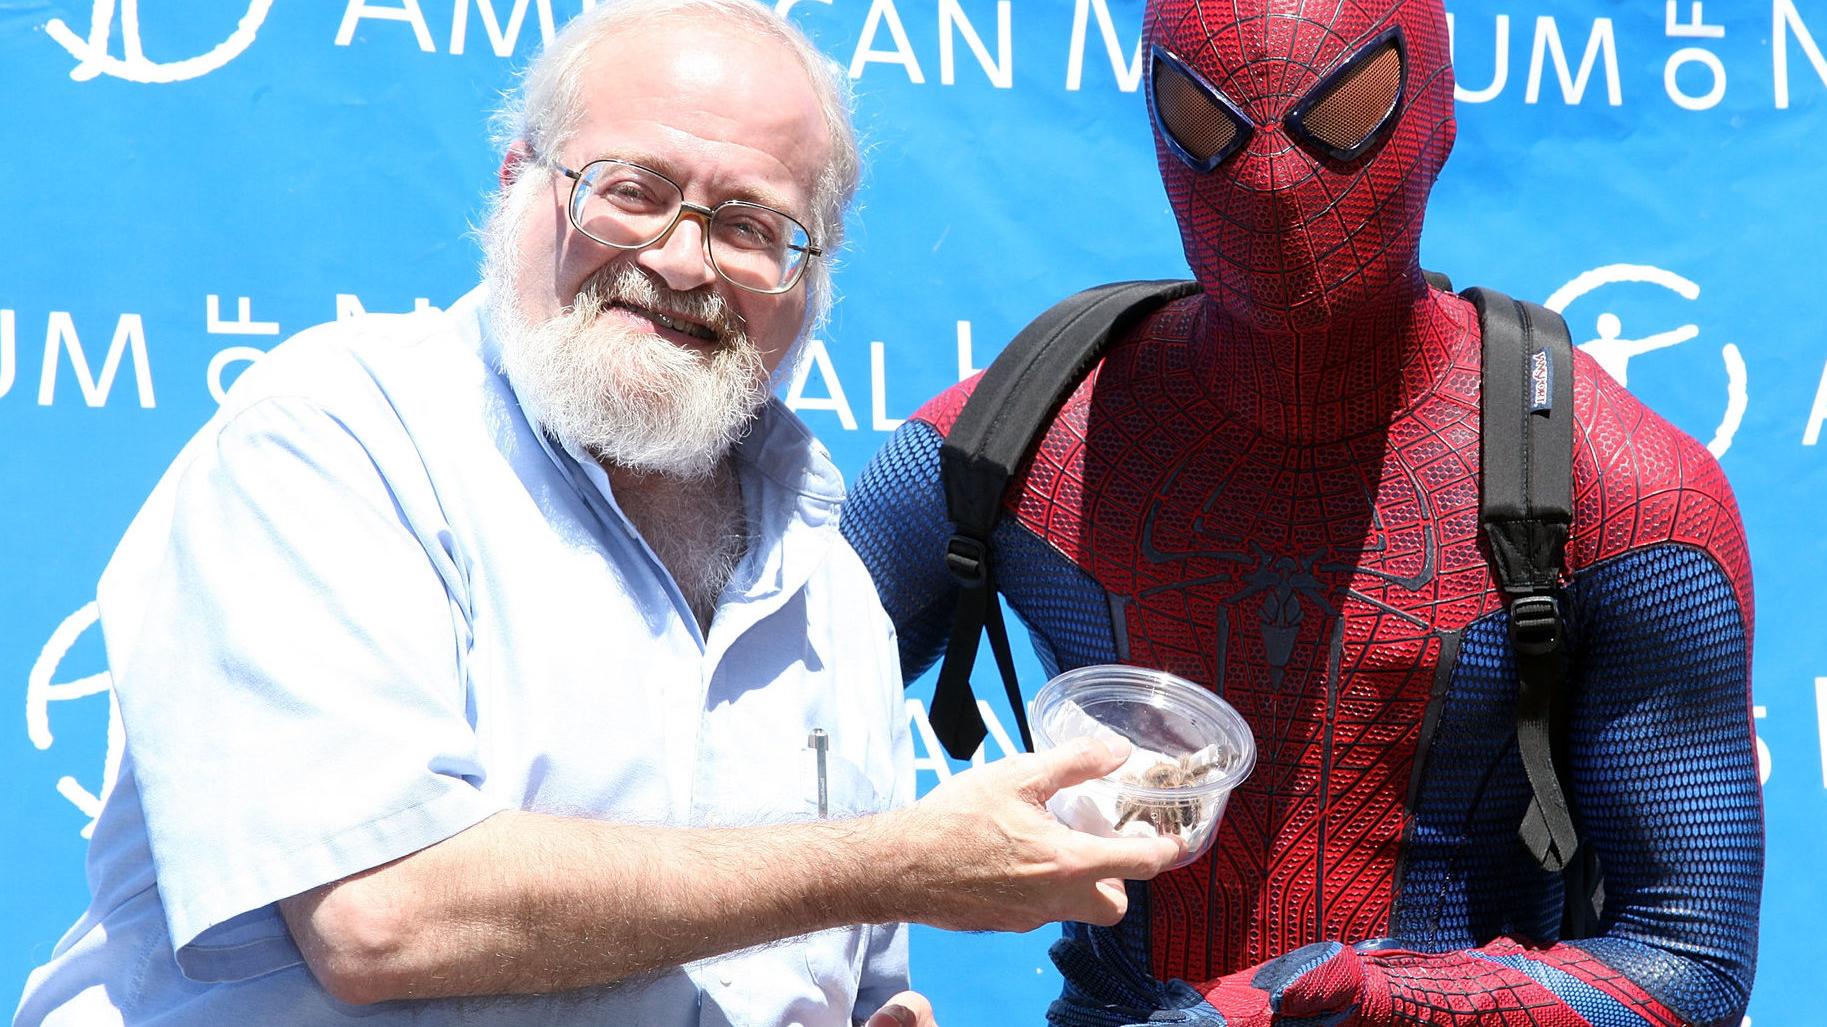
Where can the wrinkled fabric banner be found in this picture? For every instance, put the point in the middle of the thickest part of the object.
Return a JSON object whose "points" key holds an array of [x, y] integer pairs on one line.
{"points": [[186, 185]]}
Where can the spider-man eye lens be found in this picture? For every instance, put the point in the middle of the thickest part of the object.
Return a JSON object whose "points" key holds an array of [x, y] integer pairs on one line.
{"points": [[1198, 122], [1346, 113]]}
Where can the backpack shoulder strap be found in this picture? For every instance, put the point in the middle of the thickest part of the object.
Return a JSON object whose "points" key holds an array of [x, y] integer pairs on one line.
{"points": [[1013, 403], [1526, 512]]}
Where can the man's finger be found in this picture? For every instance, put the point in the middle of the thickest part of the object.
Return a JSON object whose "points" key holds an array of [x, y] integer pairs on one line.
{"points": [[1081, 759], [1104, 905], [1132, 859], [908, 1009], [1116, 893]]}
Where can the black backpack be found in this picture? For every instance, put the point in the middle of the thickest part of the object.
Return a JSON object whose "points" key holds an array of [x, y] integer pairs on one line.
{"points": [[1525, 509]]}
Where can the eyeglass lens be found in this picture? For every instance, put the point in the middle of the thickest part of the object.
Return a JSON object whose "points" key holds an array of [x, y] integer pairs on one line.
{"points": [[627, 206]]}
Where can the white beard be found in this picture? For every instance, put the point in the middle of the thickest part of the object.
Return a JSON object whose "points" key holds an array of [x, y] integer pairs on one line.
{"points": [[661, 417], [624, 394]]}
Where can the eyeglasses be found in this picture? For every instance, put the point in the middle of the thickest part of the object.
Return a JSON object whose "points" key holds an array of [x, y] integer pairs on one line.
{"points": [[1340, 118], [628, 207]]}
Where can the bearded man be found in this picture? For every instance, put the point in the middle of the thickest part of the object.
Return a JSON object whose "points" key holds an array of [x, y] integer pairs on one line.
{"points": [[505, 664], [1271, 487]]}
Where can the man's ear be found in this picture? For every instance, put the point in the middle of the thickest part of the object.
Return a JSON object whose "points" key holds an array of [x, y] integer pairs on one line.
{"points": [[517, 155]]}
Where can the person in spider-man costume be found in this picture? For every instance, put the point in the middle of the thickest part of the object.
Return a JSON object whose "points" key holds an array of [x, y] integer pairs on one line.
{"points": [[1271, 488]]}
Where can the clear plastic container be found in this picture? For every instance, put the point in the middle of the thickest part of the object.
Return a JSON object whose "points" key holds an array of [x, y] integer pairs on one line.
{"points": [[1190, 749]]}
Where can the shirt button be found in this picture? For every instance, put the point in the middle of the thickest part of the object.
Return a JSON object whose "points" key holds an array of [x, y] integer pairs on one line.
{"points": [[724, 976]]}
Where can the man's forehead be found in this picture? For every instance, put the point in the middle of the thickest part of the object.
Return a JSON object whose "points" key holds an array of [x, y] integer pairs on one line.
{"points": [[676, 91], [1273, 48]]}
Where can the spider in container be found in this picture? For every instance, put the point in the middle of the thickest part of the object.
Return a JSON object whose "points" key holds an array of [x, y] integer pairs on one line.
{"points": [[1168, 815]]}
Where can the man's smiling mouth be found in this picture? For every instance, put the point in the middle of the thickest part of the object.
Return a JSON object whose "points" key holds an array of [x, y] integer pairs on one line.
{"points": [[665, 320]]}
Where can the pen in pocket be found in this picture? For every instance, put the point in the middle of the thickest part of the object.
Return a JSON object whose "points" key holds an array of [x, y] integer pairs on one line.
{"points": [[819, 743]]}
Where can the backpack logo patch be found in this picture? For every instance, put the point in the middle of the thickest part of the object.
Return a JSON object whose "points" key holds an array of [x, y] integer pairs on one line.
{"points": [[1541, 382]]}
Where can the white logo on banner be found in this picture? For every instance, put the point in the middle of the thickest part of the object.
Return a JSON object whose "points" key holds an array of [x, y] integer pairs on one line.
{"points": [[41, 692], [935, 760], [93, 58], [1613, 350]]}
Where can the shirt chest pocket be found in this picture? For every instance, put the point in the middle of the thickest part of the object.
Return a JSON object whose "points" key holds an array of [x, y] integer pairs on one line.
{"points": [[811, 980], [777, 785]]}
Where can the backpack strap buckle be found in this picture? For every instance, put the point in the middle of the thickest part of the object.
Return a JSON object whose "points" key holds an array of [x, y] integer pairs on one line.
{"points": [[967, 559], [1536, 628]]}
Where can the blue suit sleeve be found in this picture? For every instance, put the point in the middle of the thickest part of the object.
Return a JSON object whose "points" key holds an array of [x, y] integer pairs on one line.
{"points": [[895, 519]]}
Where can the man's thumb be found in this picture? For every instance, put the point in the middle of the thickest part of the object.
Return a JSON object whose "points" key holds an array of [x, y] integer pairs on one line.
{"points": [[1080, 760], [908, 1009]]}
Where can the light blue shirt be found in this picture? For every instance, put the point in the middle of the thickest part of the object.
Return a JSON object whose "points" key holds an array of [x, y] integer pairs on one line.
{"points": [[369, 606]]}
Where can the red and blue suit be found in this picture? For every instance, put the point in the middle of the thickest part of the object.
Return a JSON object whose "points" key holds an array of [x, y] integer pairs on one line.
{"points": [[1271, 487]]}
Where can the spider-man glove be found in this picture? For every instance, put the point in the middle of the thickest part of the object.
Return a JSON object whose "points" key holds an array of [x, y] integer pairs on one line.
{"points": [[1325, 984], [1318, 985]]}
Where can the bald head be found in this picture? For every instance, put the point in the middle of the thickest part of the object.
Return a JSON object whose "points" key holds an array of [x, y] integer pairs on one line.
{"points": [[553, 97]]}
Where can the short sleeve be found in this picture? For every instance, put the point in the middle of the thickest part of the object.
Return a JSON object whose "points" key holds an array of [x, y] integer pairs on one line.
{"points": [[286, 629]]}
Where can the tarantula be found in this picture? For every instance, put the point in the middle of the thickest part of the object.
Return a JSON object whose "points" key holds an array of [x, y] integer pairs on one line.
{"points": [[1175, 815]]}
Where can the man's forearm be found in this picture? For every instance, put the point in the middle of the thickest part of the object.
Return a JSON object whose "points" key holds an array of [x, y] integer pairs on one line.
{"points": [[525, 902]]}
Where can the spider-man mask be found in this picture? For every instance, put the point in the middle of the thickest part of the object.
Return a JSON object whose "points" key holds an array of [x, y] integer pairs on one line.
{"points": [[1298, 142]]}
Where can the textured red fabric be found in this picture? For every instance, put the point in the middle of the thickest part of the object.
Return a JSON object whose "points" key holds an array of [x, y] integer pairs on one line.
{"points": [[1452, 989]]}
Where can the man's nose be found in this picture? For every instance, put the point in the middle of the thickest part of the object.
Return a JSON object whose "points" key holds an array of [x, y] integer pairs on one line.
{"points": [[680, 257]]}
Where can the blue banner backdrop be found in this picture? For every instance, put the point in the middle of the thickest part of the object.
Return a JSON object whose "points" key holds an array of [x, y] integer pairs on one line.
{"points": [[183, 189]]}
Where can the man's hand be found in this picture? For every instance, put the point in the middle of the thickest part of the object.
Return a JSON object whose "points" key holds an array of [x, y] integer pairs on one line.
{"points": [[908, 1009], [986, 854]]}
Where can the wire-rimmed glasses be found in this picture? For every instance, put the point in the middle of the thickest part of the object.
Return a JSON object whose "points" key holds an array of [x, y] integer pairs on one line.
{"points": [[624, 205]]}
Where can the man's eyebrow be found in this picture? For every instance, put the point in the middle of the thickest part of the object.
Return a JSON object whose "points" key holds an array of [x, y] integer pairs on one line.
{"points": [[747, 191], [753, 192], [765, 197]]}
